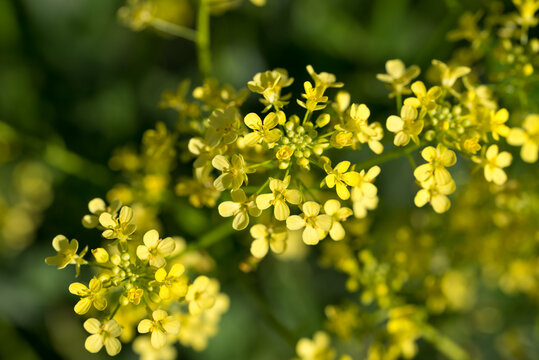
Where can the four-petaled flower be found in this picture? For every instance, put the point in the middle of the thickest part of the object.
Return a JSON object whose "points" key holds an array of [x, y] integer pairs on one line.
{"points": [[406, 126], [240, 207], [315, 226], [423, 98], [528, 138], [201, 294], [398, 76], [103, 334], [279, 196], [173, 284], [340, 178], [448, 74], [262, 130], [224, 127], [155, 249], [338, 214], [493, 164], [364, 195], [316, 349], [438, 159], [118, 227], [67, 253], [266, 238], [92, 294], [160, 326], [233, 173]]}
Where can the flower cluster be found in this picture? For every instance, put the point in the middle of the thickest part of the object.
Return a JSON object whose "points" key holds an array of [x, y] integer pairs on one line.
{"points": [[138, 271]]}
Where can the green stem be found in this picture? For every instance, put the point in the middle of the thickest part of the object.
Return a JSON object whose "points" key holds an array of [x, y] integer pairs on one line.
{"points": [[203, 39], [398, 99], [114, 311], [262, 187], [60, 158], [212, 237], [388, 156], [174, 30], [444, 344], [260, 164]]}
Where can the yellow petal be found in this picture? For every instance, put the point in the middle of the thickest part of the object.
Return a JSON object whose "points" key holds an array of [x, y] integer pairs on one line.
{"points": [[259, 248], [160, 275], [171, 325], [158, 339], [281, 210], [342, 191], [78, 289], [113, 346], [295, 222], [177, 270], [151, 238], [253, 121], [94, 343], [144, 326], [394, 123], [259, 231], [83, 306], [93, 326], [311, 208], [166, 246], [332, 206], [310, 235]]}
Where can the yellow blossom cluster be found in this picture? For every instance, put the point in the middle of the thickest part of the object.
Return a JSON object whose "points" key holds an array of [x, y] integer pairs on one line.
{"points": [[134, 271]]}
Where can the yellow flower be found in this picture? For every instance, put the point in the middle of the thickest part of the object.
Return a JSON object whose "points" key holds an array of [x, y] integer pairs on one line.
{"points": [[233, 173], [315, 226], [269, 84], [338, 214], [267, 237], [118, 227], [94, 294], [398, 76], [438, 159], [497, 123], [262, 130], [448, 74], [323, 80], [279, 196], [173, 284], [134, 295], [435, 194], [341, 178], [155, 249], [405, 127], [97, 206], [528, 138], [201, 294], [160, 326], [142, 346], [316, 349], [224, 127], [364, 195], [103, 334], [493, 164], [423, 98], [67, 253], [527, 10], [314, 97], [240, 207], [357, 129]]}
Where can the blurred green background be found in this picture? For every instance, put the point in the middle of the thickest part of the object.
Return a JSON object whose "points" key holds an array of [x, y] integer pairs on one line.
{"points": [[75, 84]]}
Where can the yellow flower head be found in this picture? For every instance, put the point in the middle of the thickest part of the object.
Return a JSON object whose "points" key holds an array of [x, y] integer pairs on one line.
{"points": [[341, 178], [224, 127], [319, 348], [323, 80], [240, 207], [398, 76], [314, 97], [173, 284], [448, 74], [338, 215], [406, 126], [155, 249], [438, 159], [94, 294], [103, 334], [527, 137], [118, 227], [423, 98], [160, 326], [201, 294], [264, 131], [269, 84], [278, 198], [497, 122], [233, 173], [266, 238], [364, 195], [435, 194], [493, 164], [316, 226], [66, 253]]}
